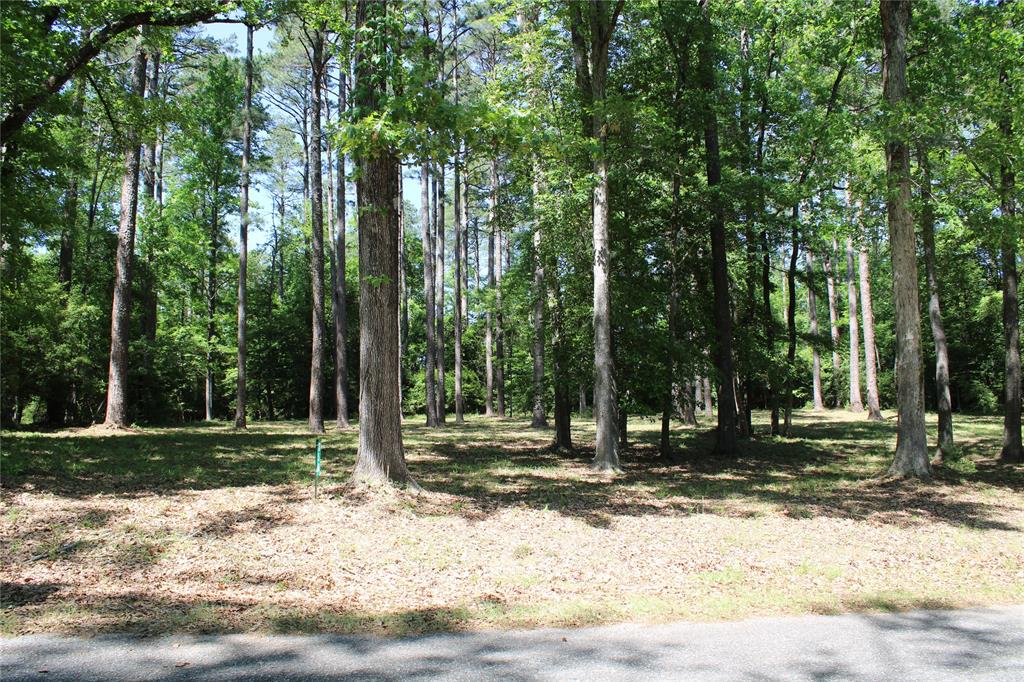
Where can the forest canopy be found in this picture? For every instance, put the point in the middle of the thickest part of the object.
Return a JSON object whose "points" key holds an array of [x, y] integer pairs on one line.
{"points": [[563, 209]]}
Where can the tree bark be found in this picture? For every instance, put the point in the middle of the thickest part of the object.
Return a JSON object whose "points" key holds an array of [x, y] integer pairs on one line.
{"points": [[117, 377], [316, 371], [380, 456], [499, 325], [243, 231], [428, 292], [833, 317], [708, 405], [459, 272], [563, 405], [812, 310], [591, 66], [439, 242], [911, 458], [339, 295], [1012, 451], [856, 404], [540, 418], [870, 354], [791, 319], [769, 330], [492, 229], [725, 442], [211, 302]]}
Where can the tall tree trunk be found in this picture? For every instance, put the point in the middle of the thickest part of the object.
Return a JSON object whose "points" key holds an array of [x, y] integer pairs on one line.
{"points": [[563, 406], [243, 230], [442, 391], [380, 456], [150, 189], [833, 317], [1012, 451], [465, 245], [911, 458], [812, 310], [459, 291], [120, 322], [867, 313], [725, 442], [606, 455], [856, 405], [211, 301], [540, 418], [499, 325], [769, 330], [791, 319], [428, 292], [403, 289], [316, 371], [339, 295], [708, 405], [492, 229], [591, 65]]}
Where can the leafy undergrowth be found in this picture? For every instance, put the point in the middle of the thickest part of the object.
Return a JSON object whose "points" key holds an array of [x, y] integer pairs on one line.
{"points": [[205, 529]]}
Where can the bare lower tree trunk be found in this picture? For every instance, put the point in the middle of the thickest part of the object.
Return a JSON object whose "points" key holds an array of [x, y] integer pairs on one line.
{"points": [[120, 322], [867, 312], [459, 272], [833, 316], [316, 371], [591, 63], [812, 310], [150, 191], [243, 232], [563, 407], [791, 320], [499, 325], [380, 456], [856, 405], [339, 295], [211, 302], [442, 391], [428, 291], [492, 229], [540, 419], [708, 405], [769, 330], [725, 442], [1012, 451], [911, 458]]}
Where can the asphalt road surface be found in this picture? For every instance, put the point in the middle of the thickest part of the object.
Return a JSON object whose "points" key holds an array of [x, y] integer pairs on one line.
{"points": [[977, 644]]}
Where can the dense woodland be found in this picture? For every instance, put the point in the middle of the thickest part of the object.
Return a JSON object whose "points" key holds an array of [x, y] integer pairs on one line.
{"points": [[568, 210]]}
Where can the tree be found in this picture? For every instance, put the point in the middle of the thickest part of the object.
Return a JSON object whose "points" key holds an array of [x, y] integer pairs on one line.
{"points": [[945, 406], [591, 77], [851, 291], [725, 440], [380, 456], [243, 230], [911, 458], [117, 382], [317, 62]]}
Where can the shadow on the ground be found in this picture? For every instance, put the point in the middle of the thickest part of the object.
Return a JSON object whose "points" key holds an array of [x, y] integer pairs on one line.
{"points": [[929, 643], [826, 467]]}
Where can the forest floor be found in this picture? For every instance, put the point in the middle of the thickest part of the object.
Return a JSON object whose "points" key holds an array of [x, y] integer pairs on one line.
{"points": [[203, 529]]}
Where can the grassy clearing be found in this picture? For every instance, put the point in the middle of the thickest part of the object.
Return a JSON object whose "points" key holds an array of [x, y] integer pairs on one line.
{"points": [[204, 529]]}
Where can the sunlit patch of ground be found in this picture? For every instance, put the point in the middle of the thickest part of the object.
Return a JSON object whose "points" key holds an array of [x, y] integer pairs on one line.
{"points": [[205, 529]]}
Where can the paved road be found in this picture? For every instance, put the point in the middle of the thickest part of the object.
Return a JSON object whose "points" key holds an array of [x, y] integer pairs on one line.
{"points": [[981, 644]]}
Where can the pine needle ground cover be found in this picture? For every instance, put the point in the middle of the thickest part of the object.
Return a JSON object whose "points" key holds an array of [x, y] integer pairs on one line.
{"points": [[204, 529]]}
